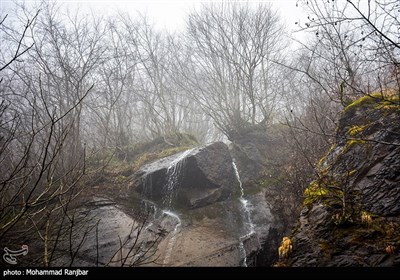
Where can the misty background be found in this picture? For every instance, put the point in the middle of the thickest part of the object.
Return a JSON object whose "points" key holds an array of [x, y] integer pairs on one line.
{"points": [[83, 83]]}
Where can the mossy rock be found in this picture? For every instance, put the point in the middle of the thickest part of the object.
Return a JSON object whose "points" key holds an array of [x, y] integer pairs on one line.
{"points": [[357, 184], [159, 144], [153, 156], [384, 100]]}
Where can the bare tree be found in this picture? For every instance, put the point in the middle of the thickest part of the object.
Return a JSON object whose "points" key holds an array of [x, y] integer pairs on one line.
{"points": [[40, 170], [67, 55], [230, 73], [352, 51], [112, 107], [355, 49], [18, 51], [44, 113]]}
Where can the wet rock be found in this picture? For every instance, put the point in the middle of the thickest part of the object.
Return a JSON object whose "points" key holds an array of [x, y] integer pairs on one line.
{"points": [[96, 240], [360, 177], [253, 148], [191, 179]]}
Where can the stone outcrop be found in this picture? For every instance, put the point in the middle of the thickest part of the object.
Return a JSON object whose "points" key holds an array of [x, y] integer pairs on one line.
{"points": [[202, 188], [261, 157], [196, 214], [105, 235], [252, 148], [191, 179], [351, 215]]}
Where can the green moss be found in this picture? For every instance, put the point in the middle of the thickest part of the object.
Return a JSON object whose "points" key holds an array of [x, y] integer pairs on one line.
{"points": [[322, 159], [314, 192], [328, 189], [386, 100], [268, 181], [357, 129], [252, 189], [388, 106], [117, 164], [149, 157], [351, 143], [367, 99], [352, 172], [376, 237]]}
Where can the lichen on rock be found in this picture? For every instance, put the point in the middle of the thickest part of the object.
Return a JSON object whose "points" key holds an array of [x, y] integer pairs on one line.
{"points": [[352, 209]]}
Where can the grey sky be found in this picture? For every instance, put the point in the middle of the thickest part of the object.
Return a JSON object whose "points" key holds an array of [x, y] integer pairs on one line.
{"points": [[169, 14]]}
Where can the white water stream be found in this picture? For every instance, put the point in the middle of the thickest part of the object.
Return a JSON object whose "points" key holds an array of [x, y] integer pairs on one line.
{"points": [[173, 176], [174, 233], [249, 226]]}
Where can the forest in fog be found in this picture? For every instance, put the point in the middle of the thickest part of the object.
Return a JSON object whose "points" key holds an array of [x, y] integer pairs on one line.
{"points": [[78, 89]]}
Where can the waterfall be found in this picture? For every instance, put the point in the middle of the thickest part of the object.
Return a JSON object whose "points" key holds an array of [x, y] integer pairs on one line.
{"points": [[169, 191], [249, 226], [245, 203], [173, 173], [173, 176]]}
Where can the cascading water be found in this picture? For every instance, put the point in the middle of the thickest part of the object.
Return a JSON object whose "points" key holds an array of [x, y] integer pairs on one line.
{"points": [[172, 241], [173, 172], [169, 191], [151, 211], [249, 226]]}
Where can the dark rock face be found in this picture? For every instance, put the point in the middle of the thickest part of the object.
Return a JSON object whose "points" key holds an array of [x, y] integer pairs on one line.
{"points": [[206, 185], [251, 150], [354, 219], [191, 179], [280, 212], [260, 158], [375, 158]]}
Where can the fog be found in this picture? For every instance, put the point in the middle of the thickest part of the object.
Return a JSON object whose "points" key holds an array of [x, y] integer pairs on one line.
{"points": [[84, 81]]}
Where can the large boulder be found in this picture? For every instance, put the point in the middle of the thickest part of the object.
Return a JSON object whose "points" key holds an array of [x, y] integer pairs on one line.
{"points": [[190, 179], [352, 210]]}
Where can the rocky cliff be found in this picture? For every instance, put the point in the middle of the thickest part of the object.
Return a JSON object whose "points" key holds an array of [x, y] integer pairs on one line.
{"points": [[263, 158], [189, 206], [195, 177], [351, 214], [201, 190], [222, 219]]}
